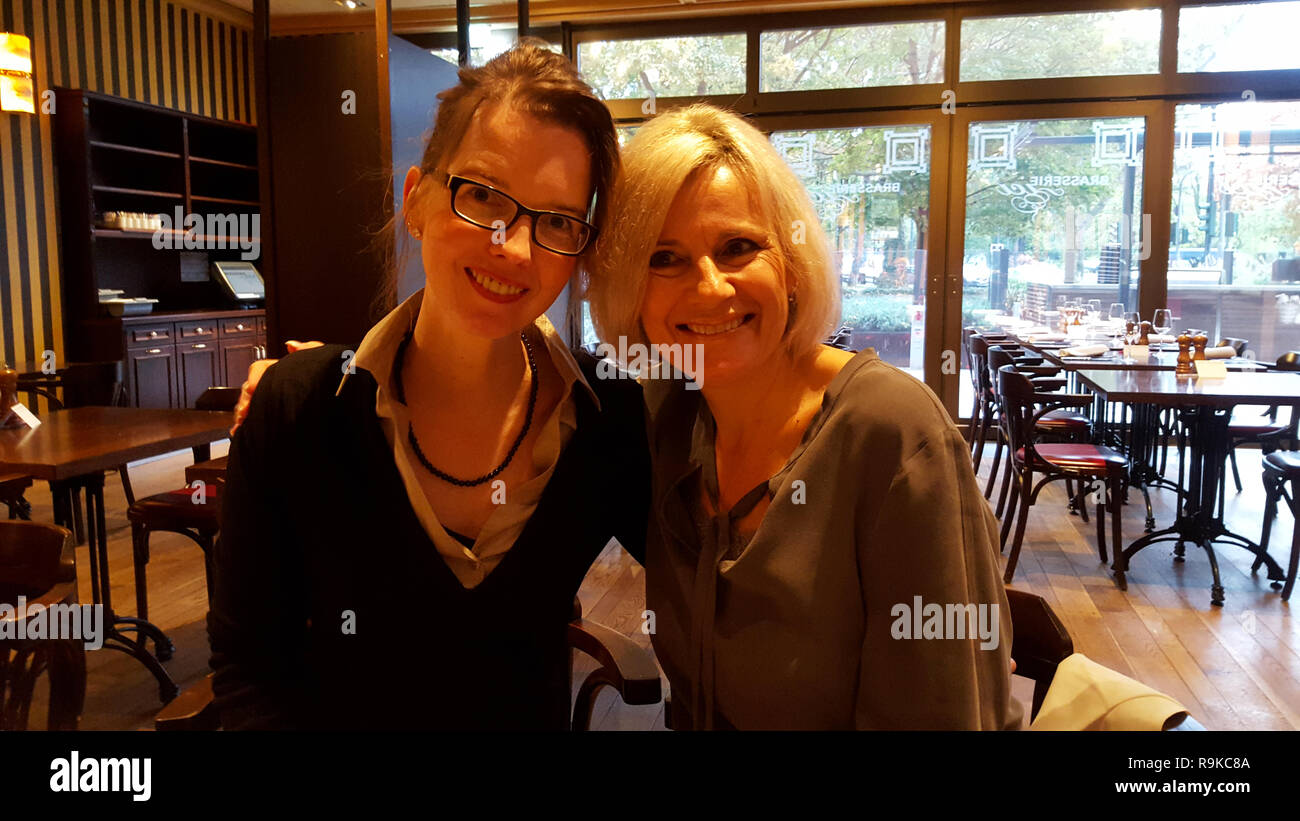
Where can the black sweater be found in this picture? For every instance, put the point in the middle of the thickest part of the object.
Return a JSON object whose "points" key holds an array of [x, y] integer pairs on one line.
{"points": [[318, 536]]}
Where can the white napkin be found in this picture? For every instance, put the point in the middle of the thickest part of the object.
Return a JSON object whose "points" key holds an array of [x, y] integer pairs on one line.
{"points": [[1087, 696], [1046, 337], [1223, 352], [1084, 350], [1154, 338]]}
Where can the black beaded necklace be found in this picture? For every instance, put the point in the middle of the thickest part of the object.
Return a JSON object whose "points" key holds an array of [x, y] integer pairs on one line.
{"points": [[415, 443]]}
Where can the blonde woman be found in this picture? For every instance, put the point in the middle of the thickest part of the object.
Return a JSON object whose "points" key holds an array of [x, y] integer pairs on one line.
{"points": [[814, 510]]}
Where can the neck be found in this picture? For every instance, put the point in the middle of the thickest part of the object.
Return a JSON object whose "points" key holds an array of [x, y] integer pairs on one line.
{"points": [[466, 369], [748, 408]]}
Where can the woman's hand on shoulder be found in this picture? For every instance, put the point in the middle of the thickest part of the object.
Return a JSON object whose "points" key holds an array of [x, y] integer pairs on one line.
{"points": [[255, 372]]}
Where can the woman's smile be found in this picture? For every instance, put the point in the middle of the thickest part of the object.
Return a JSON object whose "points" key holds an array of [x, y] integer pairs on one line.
{"points": [[494, 287], [715, 328]]}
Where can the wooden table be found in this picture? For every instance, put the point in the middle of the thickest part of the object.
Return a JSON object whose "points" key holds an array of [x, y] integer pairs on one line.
{"points": [[71, 451], [1205, 408]]}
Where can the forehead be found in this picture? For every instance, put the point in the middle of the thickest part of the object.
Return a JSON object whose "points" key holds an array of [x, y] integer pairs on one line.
{"points": [[714, 199], [544, 164]]}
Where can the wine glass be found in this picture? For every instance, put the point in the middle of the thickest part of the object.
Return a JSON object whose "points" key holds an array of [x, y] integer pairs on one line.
{"points": [[1094, 308], [1116, 316], [1163, 321]]}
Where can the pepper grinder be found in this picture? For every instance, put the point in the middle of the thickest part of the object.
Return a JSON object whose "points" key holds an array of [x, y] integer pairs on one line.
{"points": [[1199, 341], [1184, 355], [1144, 338], [9, 398]]}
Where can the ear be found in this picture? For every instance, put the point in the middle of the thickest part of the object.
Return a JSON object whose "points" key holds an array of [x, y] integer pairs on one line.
{"points": [[409, 187]]}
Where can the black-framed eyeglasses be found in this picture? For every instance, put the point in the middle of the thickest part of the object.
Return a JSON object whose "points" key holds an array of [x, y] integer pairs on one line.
{"points": [[486, 207]]}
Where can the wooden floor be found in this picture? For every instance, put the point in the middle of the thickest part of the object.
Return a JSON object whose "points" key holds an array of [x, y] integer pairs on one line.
{"points": [[1235, 667]]}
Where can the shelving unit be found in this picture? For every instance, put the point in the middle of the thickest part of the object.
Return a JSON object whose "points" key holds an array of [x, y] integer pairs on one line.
{"points": [[119, 155]]}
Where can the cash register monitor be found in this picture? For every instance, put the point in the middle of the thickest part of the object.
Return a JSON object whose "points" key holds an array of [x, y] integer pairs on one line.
{"points": [[241, 280]]}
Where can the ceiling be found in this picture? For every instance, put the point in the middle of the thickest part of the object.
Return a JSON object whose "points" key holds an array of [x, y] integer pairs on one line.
{"points": [[431, 15]]}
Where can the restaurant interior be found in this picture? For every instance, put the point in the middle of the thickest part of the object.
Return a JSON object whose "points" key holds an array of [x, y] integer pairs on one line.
{"points": [[1077, 224]]}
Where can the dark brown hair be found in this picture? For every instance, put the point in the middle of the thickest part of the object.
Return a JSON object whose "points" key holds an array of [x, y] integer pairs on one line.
{"points": [[535, 80]]}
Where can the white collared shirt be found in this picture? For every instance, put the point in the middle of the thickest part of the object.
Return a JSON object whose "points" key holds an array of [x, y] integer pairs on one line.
{"points": [[376, 354]]}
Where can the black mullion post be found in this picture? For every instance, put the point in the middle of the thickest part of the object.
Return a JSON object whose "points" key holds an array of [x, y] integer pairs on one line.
{"points": [[752, 66], [462, 31], [522, 15]]}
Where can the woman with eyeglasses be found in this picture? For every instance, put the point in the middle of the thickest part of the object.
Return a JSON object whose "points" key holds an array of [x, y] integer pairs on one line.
{"points": [[405, 529]]}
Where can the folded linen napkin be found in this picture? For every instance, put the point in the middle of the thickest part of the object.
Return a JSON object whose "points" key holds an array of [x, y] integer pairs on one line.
{"points": [[1154, 338], [1087, 696], [1221, 352], [1046, 337], [1084, 350]]}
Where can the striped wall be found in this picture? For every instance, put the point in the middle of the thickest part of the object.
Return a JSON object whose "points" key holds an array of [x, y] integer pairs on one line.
{"points": [[153, 51]]}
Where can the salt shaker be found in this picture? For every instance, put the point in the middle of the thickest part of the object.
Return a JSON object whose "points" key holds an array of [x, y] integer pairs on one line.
{"points": [[1144, 338]]}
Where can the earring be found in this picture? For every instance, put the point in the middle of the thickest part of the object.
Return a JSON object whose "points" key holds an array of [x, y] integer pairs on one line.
{"points": [[415, 232]]}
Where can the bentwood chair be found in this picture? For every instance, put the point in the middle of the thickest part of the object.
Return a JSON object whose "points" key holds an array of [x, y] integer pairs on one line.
{"points": [[1039, 642], [1266, 430], [190, 511], [1063, 424], [36, 562], [1281, 469], [79, 385], [1022, 407], [984, 415], [622, 664], [12, 488]]}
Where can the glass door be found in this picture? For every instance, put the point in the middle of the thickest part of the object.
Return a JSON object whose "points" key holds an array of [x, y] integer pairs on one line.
{"points": [[874, 183], [1054, 210]]}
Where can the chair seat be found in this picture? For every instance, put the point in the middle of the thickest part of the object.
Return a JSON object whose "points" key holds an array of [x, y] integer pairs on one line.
{"points": [[1286, 462], [176, 509], [1263, 428], [1064, 419], [1078, 458]]}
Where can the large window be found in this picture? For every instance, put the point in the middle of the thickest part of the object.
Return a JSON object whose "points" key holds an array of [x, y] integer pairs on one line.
{"points": [[1053, 214], [1091, 44], [1246, 37], [1234, 251], [665, 66], [893, 54], [871, 188]]}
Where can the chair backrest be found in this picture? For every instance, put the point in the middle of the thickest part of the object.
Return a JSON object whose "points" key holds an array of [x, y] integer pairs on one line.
{"points": [[217, 399], [1289, 361], [1039, 644], [93, 383], [1016, 395], [32, 558], [979, 364], [1238, 345]]}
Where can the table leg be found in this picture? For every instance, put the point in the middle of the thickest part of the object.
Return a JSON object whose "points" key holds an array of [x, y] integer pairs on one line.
{"points": [[114, 625], [1200, 516]]}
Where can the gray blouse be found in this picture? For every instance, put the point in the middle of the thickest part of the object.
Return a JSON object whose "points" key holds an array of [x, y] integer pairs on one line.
{"points": [[869, 596]]}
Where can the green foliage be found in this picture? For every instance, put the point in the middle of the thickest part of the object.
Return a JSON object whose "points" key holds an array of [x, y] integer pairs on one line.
{"points": [[883, 313]]}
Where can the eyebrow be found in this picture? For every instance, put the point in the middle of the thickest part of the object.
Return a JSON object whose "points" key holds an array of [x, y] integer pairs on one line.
{"points": [[571, 210], [745, 231]]}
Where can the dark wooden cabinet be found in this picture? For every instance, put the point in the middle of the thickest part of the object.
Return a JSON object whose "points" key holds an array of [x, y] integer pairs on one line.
{"points": [[198, 368], [151, 377], [236, 357], [116, 155], [172, 358]]}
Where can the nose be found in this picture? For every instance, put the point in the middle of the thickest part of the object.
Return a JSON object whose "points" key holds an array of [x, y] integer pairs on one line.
{"points": [[518, 245], [712, 283]]}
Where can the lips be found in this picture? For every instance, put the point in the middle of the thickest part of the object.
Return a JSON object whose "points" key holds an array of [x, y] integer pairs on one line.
{"points": [[715, 328], [493, 287]]}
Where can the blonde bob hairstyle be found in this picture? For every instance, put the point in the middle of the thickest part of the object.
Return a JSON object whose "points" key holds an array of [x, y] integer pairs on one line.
{"points": [[657, 162]]}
